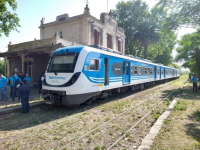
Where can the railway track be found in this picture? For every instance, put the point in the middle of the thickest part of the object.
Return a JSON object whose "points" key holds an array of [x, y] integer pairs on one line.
{"points": [[73, 143]]}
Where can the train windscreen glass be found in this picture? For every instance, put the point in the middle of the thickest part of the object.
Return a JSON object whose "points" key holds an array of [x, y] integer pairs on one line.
{"points": [[61, 63]]}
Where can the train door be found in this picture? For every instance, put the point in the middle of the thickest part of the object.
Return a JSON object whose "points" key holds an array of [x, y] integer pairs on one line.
{"points": [[155, 72], [126, 72], [106, 71]]}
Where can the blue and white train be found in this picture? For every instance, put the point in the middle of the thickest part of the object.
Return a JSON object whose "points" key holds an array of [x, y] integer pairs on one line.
{"points": [[78, 74]]}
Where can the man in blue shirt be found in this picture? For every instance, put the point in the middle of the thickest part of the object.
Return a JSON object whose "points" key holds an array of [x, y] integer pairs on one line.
{"points": [[12, 84], [17, 86], [28, 79], [25, 92], [3, 83], [194, 79]]}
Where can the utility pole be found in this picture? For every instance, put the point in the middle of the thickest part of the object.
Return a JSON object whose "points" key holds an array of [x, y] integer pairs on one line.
{"points": [[107, 6]]}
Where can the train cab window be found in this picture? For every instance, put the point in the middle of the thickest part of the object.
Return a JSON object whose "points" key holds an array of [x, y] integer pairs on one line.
{"points": [[132, 69], [136, 70], [94, 65], [145, 71]]}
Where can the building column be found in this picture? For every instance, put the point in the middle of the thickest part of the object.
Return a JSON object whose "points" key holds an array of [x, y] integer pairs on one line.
{"points": [[23, 68], [5, 67]]}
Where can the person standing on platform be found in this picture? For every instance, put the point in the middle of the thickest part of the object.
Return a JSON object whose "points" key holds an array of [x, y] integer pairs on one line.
{"points": [[3, 83], [25, 92], [12, 83], [12, 86], [194, 79], [21, 76], [27, 78], [17, 86]]}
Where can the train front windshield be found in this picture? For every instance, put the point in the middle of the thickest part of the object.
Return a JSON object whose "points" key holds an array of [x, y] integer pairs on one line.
{"points": [[62, 63]]}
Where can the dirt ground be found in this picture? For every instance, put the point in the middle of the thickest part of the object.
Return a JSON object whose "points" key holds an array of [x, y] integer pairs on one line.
{"points": [[52, 128], [181, 130]]}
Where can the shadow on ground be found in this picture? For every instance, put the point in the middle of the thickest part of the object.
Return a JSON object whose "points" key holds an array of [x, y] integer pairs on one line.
{"points": [[46, 113]]}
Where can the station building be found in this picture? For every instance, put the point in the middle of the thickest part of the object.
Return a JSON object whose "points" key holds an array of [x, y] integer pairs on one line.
{"points": [[32, 57]]}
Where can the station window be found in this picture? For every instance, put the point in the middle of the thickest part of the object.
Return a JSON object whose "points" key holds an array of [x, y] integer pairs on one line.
{"points": [[94, 65], [136, 70], [146, 71]]}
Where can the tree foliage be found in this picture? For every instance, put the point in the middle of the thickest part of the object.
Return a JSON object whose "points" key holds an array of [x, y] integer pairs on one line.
{"points": [[181, 12], [8, 21], [2, 66], [146, 30], [189, 51]]}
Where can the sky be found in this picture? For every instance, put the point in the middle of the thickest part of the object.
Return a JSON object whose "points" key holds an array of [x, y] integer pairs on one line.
{"points": [[31, 12]]}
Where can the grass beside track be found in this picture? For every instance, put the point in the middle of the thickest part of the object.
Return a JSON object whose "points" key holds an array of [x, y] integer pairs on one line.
{"points": [[50, 128], [181, 131]]}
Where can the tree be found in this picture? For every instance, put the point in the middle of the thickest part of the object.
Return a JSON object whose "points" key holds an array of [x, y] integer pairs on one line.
{"points": [[189, 52], [130, 15], [162, 51], [181, 12], [8, 21], [145, 35], [141, 25], [2, 66]]}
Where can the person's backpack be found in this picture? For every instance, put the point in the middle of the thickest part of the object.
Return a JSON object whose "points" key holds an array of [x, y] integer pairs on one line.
{"points": [[17, 83]]}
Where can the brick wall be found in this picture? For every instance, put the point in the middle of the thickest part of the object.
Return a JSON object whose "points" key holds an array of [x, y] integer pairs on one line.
{"points": [[39, 65], [15, 63]]}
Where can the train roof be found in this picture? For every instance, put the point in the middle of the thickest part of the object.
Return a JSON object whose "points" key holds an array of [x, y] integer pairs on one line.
{"points": [[107, 51]]}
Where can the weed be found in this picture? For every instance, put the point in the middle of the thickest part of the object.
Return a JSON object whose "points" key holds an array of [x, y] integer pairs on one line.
{"points": [[167, 121], [118, 128], [197, 119], [107, 119], [110, 133], [180, 106], [192, 102], [103, 147], [80, 148], [156, 116], [97, 147], [196, 144], [89, 140]]}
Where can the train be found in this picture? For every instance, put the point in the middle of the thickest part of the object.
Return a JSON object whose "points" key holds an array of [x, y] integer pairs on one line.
{"points": [[79, 74]]}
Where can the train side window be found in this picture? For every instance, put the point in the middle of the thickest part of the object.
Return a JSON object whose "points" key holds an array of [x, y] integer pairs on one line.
{"points": [[145, 71], [140, 70], [94, 65], [127, 68], [158, 71], [123, 67], [132, 69], [149, 70], [136, 70], [162, 71]]}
